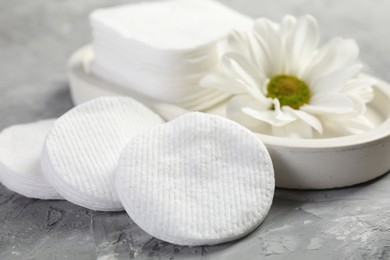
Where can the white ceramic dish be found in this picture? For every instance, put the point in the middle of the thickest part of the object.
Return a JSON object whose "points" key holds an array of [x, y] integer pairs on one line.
{"points": [[299, 164]]}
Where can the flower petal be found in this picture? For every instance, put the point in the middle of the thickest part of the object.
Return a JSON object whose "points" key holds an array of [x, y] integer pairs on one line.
{"points": [[346, 125], [241, 101], [334, 81], [365, 95], [238, 42], [302, 42], [246, 44], [336, 55], [360, 87], [329, 104], [358, 104], [297, 130], [312, 121], [287, 25], [239, 68], [268, 37], [358, 83], [286, 31], [258, 55], [274, 117], [267, 30], [234, 112], [266, 58]]}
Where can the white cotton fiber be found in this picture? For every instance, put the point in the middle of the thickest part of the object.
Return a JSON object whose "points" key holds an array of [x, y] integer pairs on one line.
{"points": [[82, 149], [176, 25], [197, 180], [20, 168]]}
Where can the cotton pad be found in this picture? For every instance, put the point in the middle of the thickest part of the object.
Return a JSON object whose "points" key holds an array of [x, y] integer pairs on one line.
{"points": [[20, 168], [82, 149], [177, 25], [197, 180], [161, 49], [192, 99]]}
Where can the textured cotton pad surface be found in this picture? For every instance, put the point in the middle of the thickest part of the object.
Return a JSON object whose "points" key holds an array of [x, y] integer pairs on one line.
{"points": [[20, 152], [198, 180], [82, 149]]}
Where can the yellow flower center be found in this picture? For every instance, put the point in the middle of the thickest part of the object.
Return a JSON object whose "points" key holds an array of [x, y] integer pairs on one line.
{"points": [[290, 91]]}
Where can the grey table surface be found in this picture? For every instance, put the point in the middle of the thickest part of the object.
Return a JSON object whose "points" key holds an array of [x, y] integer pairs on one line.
{"points": [[36, 39]]}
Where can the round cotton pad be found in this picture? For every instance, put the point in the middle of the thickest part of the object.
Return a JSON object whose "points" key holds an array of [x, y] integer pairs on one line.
{"points": [[20, 152], [197, 180], [82, 149]]}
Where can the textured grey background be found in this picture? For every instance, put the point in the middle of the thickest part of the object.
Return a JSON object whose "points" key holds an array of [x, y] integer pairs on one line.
{"points": [[37, 37]]}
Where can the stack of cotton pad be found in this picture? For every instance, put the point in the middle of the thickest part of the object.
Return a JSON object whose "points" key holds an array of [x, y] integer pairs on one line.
{"points": [[20, 168], [162, 49], [198, 180], [82, 149]]}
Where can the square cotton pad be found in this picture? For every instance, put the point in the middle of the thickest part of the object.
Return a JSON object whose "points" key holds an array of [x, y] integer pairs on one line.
{"points": [[176, 25], [82, 149], [197, 180], [20, 152], [162, 49]]}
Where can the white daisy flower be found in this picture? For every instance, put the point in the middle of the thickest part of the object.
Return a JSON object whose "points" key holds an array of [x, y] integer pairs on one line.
{"points": [[281, 79]]}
